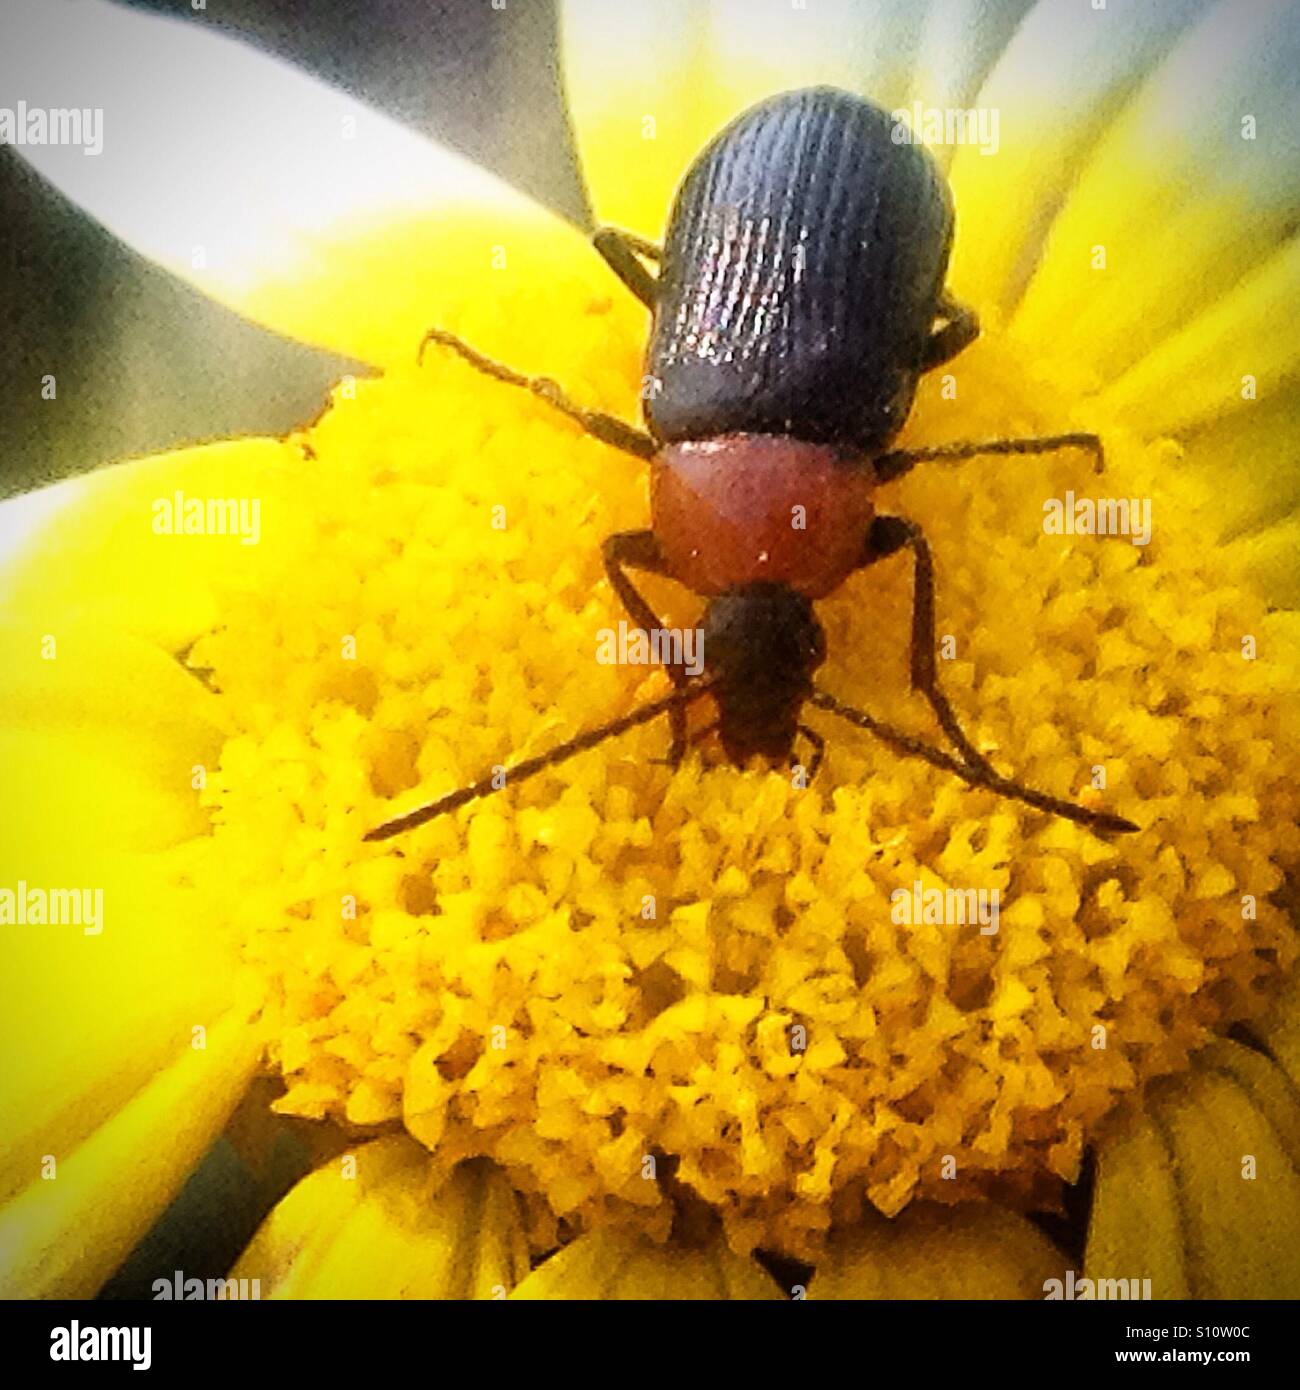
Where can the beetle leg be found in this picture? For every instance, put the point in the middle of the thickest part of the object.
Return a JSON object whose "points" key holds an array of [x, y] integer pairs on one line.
{"points": [[819, 751], [899, 461], [887, 535], [640, 549], [620, 250], [1099, 821], [961, 328], [643, 246], [607, 428]]}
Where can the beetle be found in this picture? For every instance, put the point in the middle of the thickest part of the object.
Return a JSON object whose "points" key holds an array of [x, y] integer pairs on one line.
{"points": [[799, 298]]}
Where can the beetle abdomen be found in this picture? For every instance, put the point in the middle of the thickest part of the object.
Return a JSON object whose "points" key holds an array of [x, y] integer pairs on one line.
{"points": [[803, 261]]}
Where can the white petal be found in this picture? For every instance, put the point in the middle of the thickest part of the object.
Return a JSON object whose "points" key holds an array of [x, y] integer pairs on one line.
{"points": [[960, 41], [23, 518], [1182, 204], [1066, 72], [269, 190]]}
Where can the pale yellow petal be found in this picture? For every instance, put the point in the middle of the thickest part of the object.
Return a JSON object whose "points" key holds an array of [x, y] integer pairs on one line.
{"points": [[1280, 1030], [1241, 1232], [1066, 73], [86, 1202], [1202, 1193], [978, 1250], [1135, 1230], [102, 549], [118, 995], [1268, 561], [959, 43], [1243, 340], [613, 1266], [1247, 444], [366, 1225], [101, 740]]}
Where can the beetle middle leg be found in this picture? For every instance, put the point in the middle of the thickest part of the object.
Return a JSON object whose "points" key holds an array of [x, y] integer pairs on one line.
{"points": [[607, 428], [640, 550], [888, 535]]}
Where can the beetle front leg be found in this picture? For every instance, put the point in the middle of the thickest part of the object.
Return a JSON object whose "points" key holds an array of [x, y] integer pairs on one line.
{"points": [[887, 535], [640, 549], [607, 428]]}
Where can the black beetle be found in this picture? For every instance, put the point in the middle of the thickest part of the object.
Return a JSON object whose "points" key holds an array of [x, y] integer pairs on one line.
{"points": [[799, 298]]}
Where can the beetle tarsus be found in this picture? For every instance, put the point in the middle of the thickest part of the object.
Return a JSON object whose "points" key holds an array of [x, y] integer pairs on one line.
{"points": [[819, 752], [960, 330]]}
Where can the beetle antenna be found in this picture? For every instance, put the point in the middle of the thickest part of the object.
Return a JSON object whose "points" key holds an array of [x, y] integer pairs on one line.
{"points": [[975, 776], [494, 781]]}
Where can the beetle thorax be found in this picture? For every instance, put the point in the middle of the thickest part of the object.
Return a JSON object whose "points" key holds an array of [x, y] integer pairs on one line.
{"points": [[749, 508]]}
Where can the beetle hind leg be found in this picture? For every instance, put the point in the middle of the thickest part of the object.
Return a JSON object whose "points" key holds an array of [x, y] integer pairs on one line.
{"points": [[960, 329], [624, 252]]}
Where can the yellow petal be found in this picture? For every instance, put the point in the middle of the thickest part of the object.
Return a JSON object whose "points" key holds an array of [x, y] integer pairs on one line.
{"points": [[1199, 373], [88, 1200], [99, 548], [1182, 204], [1247, 441], [1202, 1193], [1268, 561], [613, 1266], [1064, 76], [686, 67], [1134, 1229], [366, 1226], [1280, 1030], [99, 745], [79, 769], [118, 1019], [973, 1251], [282, 197]]}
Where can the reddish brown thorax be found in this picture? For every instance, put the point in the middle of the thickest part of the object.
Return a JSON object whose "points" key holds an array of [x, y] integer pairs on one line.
{"points": [[745, 507]]}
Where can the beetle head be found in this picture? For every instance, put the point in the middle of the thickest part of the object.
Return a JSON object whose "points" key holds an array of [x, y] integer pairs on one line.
{"points": [[762, 642]]}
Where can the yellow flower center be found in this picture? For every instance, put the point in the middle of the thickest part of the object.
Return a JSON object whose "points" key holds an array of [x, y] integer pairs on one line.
{"points": [[615, 968]]}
